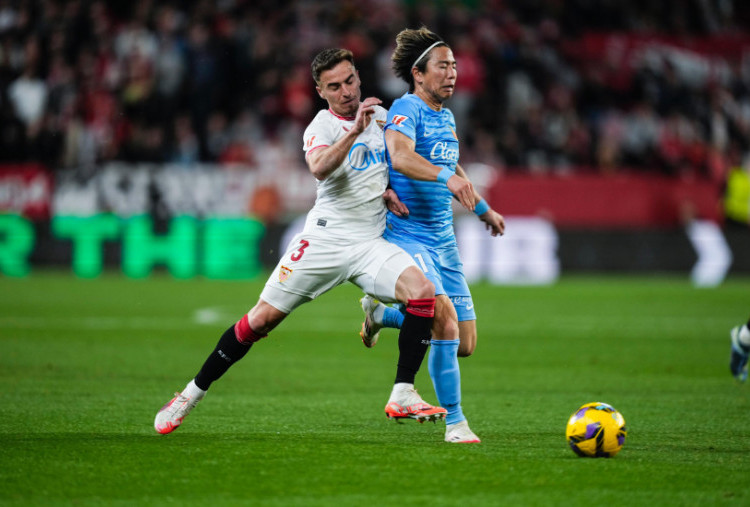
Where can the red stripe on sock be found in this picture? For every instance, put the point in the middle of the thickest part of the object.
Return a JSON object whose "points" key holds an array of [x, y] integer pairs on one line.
{"points": [[245, 333], [421, 307]]}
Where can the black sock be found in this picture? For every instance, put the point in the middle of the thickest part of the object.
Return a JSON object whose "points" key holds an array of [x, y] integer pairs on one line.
{"points": [[227, 352], [413, 341]]}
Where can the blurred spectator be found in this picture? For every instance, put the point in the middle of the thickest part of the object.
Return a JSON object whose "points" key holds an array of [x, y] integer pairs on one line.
{"points": [[543, 86], [186, 151], [28, 92]]}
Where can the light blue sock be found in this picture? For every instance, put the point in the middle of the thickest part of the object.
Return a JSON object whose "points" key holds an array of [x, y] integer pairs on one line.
{"points": [[392, 317], [446, 377]]}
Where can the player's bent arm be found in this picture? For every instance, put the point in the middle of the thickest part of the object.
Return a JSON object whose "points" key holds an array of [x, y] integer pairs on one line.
{"points": [[405, 159], [408, 162], [323, 161]]}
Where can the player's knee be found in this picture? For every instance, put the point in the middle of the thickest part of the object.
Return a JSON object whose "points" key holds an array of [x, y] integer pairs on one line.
{"points": [[446, 328], [246, 333], [467, 331], [263, 318], [425, 289], [466, 349]]}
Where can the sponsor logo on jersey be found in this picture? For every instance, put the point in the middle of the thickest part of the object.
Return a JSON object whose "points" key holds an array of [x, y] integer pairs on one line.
{"points": [[284, 273], [362, 157], [399, 119], [444, 151], [310, 141]]}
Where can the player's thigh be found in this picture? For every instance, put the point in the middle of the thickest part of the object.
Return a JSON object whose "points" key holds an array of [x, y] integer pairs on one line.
{"points": [[309, 267], [467, 333], [426, 260], [376, 267], [413, 284], [454, 283]]}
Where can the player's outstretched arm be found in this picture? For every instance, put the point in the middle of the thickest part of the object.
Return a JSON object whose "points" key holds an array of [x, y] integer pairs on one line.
{"points": [[323, 161], [494, 221], [405, 160]]}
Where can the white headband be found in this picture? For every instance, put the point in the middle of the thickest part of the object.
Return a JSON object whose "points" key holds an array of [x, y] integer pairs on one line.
{"points": [[425, 52]]}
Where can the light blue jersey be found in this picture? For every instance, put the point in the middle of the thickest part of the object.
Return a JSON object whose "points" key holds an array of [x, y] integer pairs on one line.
{"points": [[427, 232], [430, 217]]}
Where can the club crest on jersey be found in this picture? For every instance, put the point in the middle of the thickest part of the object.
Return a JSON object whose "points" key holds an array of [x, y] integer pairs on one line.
{"points": [[380, 123], [284, 273], [399, 119]]}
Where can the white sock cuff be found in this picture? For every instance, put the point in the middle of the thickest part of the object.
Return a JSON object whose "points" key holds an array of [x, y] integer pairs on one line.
{"points": [[402, 386], [192, 391]]}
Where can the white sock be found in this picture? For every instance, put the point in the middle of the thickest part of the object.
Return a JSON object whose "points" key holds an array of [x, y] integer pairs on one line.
{"points": [[401, 387], [377, 314], [744, 336], [192, 391]]}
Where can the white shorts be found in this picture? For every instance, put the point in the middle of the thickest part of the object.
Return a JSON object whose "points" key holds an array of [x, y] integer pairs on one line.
{"points": [[313, 265]]}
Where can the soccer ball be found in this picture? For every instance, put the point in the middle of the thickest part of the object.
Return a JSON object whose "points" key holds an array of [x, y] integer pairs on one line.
{"points": [[596, 430]]}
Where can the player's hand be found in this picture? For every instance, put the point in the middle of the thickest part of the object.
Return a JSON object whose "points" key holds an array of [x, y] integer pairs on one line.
{"points": [[494, 222], [394, 204], [463, 190], [364, 114]]}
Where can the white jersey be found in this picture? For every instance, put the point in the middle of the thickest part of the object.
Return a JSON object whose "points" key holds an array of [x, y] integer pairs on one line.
{"points": [[349, 203]]}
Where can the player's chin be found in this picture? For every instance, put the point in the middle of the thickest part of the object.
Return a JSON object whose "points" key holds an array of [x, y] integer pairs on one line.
{"points": [[448, 91], [349, 108]]}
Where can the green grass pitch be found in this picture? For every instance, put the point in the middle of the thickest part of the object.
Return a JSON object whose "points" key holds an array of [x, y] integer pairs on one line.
{"points": [[85, 365]]}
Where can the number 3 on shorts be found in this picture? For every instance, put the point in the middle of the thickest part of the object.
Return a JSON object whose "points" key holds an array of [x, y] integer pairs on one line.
{"points": [[300, 251]]}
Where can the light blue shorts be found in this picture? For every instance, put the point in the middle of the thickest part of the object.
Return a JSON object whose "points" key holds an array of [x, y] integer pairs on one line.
{"points": [[443, 267]]}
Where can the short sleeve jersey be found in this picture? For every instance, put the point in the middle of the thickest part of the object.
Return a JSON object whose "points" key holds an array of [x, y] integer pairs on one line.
{"points": [[349, 203], [430, 219]]}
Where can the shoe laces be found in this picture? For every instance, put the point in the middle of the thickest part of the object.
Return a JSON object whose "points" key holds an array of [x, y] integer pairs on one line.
{"points": [[179, 403]]}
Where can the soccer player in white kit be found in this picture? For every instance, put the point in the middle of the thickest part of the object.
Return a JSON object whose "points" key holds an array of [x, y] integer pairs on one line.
{"points": [[342, 241]]}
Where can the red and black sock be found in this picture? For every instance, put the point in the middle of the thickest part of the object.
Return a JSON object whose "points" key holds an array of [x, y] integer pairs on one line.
{"points": [[414, 338], [232, 346]]}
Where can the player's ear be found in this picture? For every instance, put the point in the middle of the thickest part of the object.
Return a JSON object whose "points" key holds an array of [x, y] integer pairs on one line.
{"points": [[414, 73], [320, 92]]}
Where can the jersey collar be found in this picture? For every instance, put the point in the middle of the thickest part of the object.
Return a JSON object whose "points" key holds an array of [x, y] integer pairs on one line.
{"points": [[345, 118]]}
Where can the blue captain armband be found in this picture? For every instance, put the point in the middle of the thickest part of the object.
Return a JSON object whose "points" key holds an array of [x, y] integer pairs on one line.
{"points": [[481, 208], [444, 175]]}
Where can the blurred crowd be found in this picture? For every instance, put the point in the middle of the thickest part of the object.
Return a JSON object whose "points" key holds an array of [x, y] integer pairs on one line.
{"points": [[83, 82]]}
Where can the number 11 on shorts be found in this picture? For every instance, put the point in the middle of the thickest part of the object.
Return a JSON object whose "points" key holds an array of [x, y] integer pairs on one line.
{"points": [[421, 262]]}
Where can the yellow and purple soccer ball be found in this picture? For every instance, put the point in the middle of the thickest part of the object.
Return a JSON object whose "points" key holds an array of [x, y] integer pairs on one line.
{"points": [[596, 430]]}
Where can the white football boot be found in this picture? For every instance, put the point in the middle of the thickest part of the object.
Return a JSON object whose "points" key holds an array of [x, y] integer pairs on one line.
{"points": [[460, 433], [171, 415], [370, 328], [406, 403]]}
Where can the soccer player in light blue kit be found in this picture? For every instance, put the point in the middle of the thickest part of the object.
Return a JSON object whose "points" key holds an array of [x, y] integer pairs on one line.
{"points": [[422, 153]]}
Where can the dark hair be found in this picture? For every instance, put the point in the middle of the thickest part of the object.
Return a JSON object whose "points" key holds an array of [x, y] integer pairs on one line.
{"points": [[410, 44], [328, 59]]}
